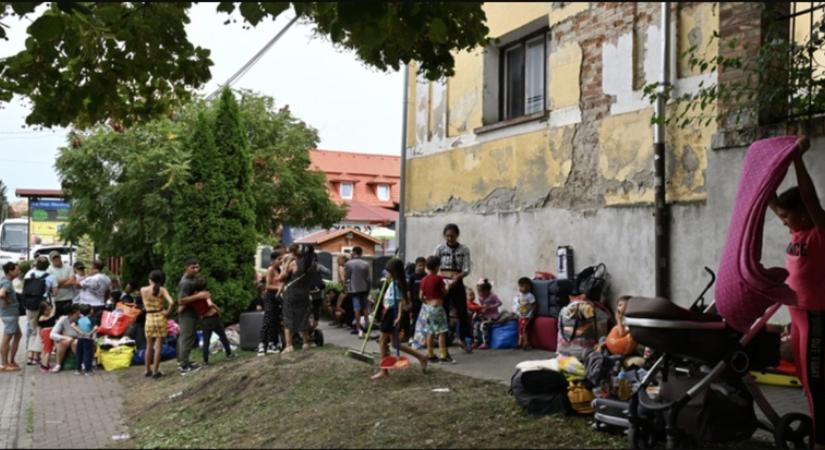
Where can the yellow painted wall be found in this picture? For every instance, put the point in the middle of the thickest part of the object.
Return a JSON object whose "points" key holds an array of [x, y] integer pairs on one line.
{"points": [[531, 162], [564, 66], [411, 72], [505, 17], [696, 25], [464, 93]]}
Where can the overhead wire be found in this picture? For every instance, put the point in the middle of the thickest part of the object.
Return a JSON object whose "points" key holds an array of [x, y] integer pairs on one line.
{"points": [[252, 61]]}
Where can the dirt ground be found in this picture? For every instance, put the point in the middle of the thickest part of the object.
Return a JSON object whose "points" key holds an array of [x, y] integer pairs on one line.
{"points": [[322, 398]]}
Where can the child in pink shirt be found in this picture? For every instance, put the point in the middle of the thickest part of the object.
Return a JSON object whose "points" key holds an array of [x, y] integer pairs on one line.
{"points": [[800, 210]]}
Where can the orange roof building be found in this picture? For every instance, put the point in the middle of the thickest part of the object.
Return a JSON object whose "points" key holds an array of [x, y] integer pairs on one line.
{"points": [[369, 184]]}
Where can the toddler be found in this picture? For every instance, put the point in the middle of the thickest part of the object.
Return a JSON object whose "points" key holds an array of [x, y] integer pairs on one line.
{"points": [[488, 312], [524, 304], [433, 315], [85, 330]]}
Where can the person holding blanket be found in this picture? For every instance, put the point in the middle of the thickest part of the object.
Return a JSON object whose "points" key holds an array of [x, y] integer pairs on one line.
{"points": [[394, 296], [800, 210]]}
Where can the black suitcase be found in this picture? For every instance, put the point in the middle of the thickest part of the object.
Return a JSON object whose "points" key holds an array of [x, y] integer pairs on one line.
{"points": [[551, 296], [540, 392], [611, 415]]}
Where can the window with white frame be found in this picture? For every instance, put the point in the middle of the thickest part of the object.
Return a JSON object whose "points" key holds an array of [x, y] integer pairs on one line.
{"points": [[523, 76], [383, 192], [345, 190]]}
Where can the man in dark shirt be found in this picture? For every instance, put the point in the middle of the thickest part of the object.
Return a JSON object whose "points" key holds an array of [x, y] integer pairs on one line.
{"points": [[357, 281], [187, 317]]}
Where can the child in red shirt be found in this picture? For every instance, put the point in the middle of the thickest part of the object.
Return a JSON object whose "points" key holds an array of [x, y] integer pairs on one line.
{"points": [[433, 290], [800, 210]]}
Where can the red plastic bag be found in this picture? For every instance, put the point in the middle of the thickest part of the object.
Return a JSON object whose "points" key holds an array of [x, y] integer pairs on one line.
{"points": [[114, 323]]}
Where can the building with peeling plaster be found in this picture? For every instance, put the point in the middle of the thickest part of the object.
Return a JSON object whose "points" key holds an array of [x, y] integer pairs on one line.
{"points": [[544, 139]]}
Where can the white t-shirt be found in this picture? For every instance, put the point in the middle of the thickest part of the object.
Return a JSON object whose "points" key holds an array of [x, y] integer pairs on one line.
{"points": [[522, 304], [93, 289], [62, 328], [60, 274]]}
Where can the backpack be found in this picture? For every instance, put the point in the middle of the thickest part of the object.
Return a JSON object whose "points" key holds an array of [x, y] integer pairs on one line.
{"points": [[591, 282], [34, 290], [581, 324], [540, 392], [551, 296]]}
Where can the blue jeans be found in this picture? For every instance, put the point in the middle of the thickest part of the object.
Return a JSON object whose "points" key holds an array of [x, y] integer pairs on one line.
{"points": [[85, 351]]}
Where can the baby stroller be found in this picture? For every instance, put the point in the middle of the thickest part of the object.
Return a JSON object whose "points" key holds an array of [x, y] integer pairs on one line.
{"points": [[700, 388]]}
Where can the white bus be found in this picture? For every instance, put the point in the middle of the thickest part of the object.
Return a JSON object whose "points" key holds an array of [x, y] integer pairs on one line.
{"points": [[14, 234]]}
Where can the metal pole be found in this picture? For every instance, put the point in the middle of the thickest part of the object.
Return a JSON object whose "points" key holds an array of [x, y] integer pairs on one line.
{"points": [[402, 220], [662, 223]]}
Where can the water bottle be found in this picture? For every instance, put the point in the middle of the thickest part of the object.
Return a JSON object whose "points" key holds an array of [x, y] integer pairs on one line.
{"points": [[624, 386]]}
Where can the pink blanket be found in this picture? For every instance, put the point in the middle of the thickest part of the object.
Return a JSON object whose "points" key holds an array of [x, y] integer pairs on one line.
{"points": [[745, 288]]}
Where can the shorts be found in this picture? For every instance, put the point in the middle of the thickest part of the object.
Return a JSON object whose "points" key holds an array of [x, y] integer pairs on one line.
{"points": [[523, 323], [360, 301], [436, 320], [388, 320], [11, 325]]}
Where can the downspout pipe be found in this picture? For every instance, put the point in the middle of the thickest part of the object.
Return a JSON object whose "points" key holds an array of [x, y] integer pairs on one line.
{"points": [[662, 214], [401, 228]]}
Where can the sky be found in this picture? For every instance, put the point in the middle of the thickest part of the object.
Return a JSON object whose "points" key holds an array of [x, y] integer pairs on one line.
{"points": [[353, 106]]}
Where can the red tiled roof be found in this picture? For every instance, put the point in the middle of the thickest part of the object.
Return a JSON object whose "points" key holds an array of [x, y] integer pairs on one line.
{"points": [[322, 236], [352, 163], [363, 212]]}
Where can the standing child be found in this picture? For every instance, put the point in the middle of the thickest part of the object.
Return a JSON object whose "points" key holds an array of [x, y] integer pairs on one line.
{"points": [[45, 322], [85, 330], [212, 323], [523, 305], [489, 313], [433, 314], [800, 210], [391, 319]]}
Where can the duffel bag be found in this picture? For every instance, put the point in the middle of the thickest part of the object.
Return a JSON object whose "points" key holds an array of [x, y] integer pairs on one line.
{"points": [[504, 335], [581, 324], [540, 392]]}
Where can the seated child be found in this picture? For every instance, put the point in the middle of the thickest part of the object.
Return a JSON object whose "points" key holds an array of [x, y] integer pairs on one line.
{"points": [[489, 312], [524, 304], [211, 321]]}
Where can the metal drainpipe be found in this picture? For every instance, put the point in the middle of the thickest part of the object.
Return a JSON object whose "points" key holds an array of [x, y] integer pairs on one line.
{"points": [[402, 220], [662, 223]]}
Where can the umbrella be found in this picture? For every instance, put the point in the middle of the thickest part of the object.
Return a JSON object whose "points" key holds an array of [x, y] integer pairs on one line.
{"points": [[383, 233]]}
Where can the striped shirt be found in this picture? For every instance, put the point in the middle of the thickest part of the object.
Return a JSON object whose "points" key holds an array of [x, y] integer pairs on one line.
{"points": [[455, 259]]}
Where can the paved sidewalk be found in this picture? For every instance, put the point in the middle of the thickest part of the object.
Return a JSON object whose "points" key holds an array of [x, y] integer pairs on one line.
{"points": [[60, 410]]}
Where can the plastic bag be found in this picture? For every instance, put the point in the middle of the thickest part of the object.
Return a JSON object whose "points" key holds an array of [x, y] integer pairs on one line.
{"points": [[172, 328], [117, 358], [114, 323]]}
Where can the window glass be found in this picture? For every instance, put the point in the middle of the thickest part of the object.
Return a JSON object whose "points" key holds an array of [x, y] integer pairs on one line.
{"points": [[514, 84], [534, 71], [345, 190], [383, 192]]}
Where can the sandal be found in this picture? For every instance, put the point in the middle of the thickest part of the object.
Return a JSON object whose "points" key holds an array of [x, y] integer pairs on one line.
{"points": [[305, 347], [288, 349]]}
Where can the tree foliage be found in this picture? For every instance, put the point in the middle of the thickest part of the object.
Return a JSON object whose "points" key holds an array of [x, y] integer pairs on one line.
{"points": [[127, 187], [88, 63], [4, 202], [782, 78]]}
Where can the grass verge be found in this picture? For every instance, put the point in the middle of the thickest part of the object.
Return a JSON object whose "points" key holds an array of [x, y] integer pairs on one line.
{"points": [[322, 399]]}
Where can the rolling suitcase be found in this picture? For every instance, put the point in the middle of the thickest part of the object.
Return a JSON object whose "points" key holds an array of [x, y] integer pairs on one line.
{"points": [[544, 333]]}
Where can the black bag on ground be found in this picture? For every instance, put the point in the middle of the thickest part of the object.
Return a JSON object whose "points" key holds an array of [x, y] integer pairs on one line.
{"points": [[34, 291], [591, 282], [551, 296], [540, 392]]}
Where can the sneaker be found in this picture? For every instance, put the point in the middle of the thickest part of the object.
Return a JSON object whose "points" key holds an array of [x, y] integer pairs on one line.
{"points": [[232, 355], [45, 369], [157, 374], [87, 373], [194, 366], [483, 347], [353, 331], [433, 359], [55, 369], [272, 348], [261, 350], [360, 334], [205, 365], [448, 360], [78, 372], [468, 345]]}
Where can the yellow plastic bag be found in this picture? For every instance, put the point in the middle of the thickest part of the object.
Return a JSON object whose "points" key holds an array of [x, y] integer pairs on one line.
{"points": [[117, 357], [580, 397]]}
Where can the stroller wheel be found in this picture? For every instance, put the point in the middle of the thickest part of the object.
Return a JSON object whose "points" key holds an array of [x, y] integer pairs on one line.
{"points": [[640, 438], [319, 338], [794, 430]]}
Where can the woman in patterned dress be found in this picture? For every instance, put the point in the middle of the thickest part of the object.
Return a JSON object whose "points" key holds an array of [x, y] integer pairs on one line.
{"points": [[153, 297]]}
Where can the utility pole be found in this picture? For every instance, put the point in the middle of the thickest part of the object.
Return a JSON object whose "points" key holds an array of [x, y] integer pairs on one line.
{"points": [[401, 226], [662, 221]]}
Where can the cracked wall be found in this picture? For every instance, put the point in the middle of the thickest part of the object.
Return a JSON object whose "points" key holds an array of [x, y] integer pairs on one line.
{"points": [[594, 147]]}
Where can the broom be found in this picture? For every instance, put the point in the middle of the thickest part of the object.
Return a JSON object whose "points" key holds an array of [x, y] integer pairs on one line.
{"points": [[362, 355]]}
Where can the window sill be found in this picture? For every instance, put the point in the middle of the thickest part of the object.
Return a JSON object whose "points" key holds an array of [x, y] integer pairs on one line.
{"points": [[536, 116]]}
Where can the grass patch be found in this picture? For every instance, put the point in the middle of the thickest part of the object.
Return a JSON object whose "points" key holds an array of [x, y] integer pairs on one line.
{"points": [[30, 418], [322, 399]]}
